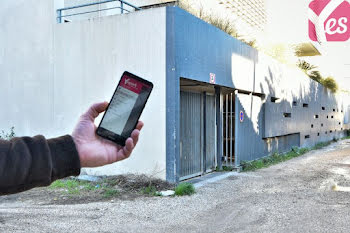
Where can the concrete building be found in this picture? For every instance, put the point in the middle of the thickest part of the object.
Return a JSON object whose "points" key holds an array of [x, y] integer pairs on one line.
{"points": [[216, 101]]}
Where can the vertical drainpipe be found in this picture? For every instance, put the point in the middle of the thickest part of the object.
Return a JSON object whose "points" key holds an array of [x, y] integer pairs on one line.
{"points": [[218, 127], [237, 120]]}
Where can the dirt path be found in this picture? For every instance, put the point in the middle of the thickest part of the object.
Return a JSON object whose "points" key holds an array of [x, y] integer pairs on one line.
{"points": [[294, 196]]}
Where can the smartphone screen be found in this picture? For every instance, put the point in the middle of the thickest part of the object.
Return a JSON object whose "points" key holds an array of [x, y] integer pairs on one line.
{"points": [[125, 108]]}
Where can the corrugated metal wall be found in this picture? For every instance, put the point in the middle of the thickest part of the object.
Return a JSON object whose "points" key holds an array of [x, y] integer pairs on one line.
{"points": [[191, 134]]}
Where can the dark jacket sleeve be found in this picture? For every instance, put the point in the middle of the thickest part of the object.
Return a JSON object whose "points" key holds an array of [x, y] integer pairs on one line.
{"points": [[28, 162]]}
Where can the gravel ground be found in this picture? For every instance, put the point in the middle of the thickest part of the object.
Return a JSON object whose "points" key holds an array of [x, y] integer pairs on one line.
{"points": [[294, 196]]}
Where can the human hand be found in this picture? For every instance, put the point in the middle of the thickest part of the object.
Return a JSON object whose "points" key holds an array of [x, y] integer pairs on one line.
{"points": [[95, 151]]}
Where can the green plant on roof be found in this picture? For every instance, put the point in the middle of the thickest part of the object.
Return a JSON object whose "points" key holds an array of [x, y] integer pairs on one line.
{"points": [[330, 83], [316, 76], [305, 66]]}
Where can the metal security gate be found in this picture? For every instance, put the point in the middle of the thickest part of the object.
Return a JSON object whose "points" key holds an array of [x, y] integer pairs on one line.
{"points": [[192, 134], [210, 133], [228, 129]]}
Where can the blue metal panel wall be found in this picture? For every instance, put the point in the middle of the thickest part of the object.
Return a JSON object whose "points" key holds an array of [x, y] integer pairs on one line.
{"points": [[249, 134], [199, 49], [202, 49], [308, 117]]}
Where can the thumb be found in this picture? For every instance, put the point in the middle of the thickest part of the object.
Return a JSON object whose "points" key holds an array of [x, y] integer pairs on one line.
{"points": [[95, 110]]}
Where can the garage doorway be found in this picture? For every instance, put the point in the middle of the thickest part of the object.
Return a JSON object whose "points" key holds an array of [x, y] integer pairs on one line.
{"points": [[197, 129]]}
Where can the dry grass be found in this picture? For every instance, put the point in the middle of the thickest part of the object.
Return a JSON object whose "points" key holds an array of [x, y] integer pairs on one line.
{"points": [[223, 24]]}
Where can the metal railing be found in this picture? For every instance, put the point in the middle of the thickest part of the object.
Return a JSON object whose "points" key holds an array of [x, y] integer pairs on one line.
{"points": [[121, 7]]}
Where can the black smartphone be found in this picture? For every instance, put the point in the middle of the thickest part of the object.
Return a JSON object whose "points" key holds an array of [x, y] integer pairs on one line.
{"points": [[125, 108]]}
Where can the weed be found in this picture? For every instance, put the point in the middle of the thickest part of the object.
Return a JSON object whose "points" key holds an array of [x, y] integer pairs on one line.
{"points": [[295, 149], [303, 151], [109, 192], [150, 190], [73, 186], [224, 169], [277, 158], [227, 168], [184, 189], [320, 145], [57, 184]]}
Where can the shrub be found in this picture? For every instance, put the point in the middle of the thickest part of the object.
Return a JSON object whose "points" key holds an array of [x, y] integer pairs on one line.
{"points": [[316, 76], [331, 84], [184, 189]]}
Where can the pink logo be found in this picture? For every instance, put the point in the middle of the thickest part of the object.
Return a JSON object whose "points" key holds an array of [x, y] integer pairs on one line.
{"points": [[329, 20], [128, 82]]}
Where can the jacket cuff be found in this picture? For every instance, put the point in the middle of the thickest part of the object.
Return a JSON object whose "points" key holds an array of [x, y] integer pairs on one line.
{"points": [[65, 157]]}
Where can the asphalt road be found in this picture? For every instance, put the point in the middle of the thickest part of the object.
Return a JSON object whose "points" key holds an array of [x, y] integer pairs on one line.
{"points": [[294, 196]]}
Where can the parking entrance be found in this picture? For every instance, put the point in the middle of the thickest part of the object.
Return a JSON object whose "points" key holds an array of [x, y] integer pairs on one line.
{"points": [[197, 129]]}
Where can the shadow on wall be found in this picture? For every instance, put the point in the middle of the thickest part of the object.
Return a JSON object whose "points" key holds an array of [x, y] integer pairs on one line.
{"points": [[293, 112]]}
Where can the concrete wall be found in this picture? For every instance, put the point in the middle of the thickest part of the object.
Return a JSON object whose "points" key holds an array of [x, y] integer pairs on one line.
{"points": [[90, 58], [26, 66], [51, 73]]}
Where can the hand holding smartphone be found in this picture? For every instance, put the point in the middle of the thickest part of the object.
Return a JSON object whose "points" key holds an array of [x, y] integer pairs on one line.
{"points": [[125, 108]]}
